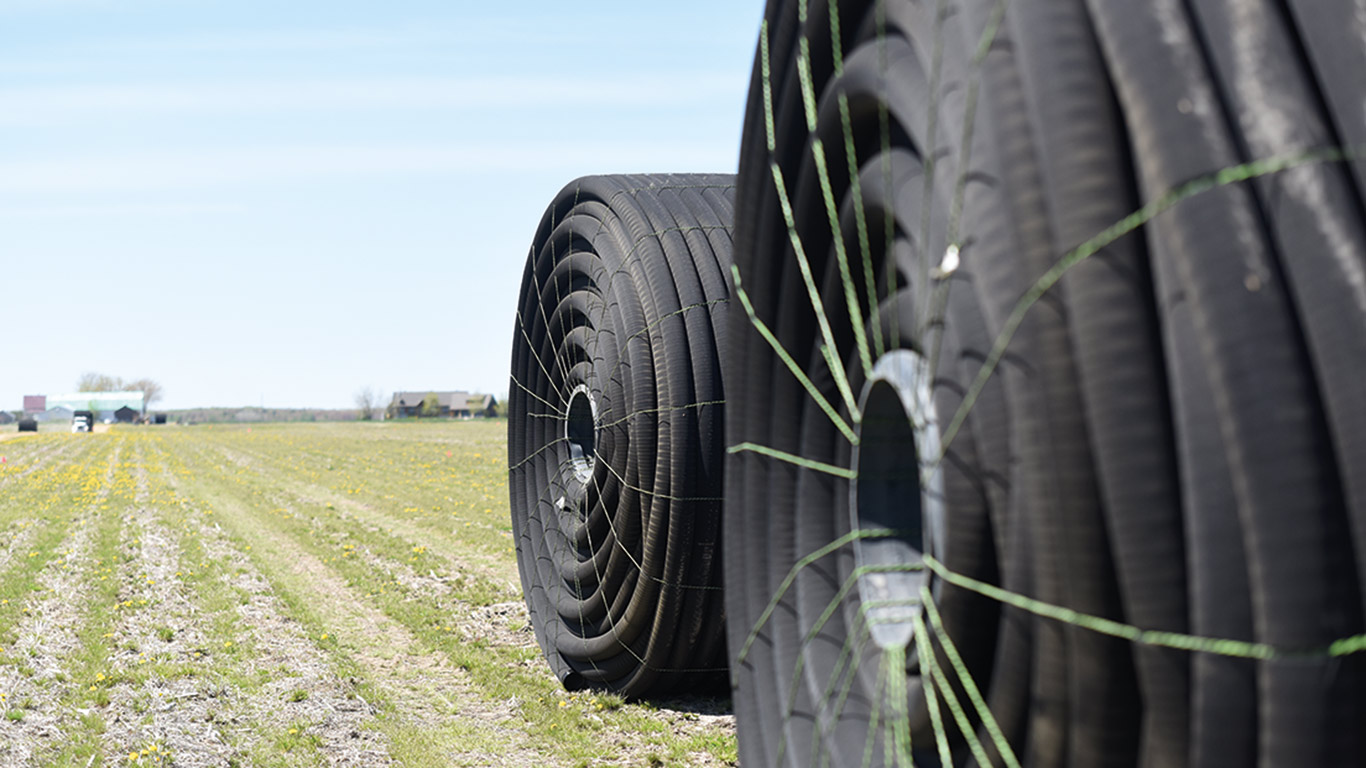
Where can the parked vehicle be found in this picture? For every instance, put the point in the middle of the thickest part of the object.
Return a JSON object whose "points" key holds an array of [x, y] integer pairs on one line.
{"points": [[82, 421]]}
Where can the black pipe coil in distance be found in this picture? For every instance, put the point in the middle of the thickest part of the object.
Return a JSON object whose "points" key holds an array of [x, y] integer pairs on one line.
{"points": [[615, 431]]}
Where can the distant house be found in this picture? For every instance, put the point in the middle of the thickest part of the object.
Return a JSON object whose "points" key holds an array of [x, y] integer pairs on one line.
{"points": [[450, 405], [480, 405], [126, 415], [405, 405], [6, 417]]}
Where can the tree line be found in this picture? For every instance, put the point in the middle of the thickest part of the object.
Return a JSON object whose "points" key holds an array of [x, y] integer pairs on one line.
{"points": [[101, 382]]}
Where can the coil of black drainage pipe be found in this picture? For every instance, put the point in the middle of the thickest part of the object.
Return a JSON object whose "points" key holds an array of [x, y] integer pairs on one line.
{"points": [[1169, 433], [615, 431], [837, 432]]}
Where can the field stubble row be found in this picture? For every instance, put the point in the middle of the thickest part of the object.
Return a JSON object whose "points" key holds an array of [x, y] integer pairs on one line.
{"points": [[288, 595]]}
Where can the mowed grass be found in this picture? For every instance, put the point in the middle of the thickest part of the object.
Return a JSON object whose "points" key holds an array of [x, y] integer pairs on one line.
{"points": [[341, 594]]}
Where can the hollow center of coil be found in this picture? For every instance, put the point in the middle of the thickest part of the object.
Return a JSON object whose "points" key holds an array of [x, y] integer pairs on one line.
{"points": [[896, 501], [581, 431]]}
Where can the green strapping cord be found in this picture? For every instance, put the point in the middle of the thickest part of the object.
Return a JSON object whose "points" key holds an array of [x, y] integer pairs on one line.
{"points": [[900, 726], [799, 566], [811, 464], [791, 364], [1216, 646], [983, 711], [927, 684]]}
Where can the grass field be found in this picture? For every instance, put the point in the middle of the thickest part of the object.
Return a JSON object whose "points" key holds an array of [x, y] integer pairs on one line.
{"points": [[298, 595]]}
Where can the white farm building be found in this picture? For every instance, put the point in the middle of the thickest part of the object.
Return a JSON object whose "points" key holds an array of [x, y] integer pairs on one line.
{"points": [[105, 405]]}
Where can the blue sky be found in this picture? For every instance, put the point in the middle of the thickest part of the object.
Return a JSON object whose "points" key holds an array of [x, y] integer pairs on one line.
{"points": [[279, 203]]}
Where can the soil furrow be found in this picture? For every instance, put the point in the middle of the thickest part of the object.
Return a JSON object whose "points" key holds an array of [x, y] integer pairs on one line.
{"points": [[423, 688], [268, 688], [329, 595], [318, 495], [46, 636], [159, 625]]}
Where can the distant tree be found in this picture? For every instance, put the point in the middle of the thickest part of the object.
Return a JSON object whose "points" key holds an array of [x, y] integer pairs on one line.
{"points": [[430, 405], [98, 382], [151, 392], [368, 401], [101, 382]]}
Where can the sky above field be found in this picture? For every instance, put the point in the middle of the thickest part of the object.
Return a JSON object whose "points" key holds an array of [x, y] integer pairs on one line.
{"points": [[279, 203]]}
